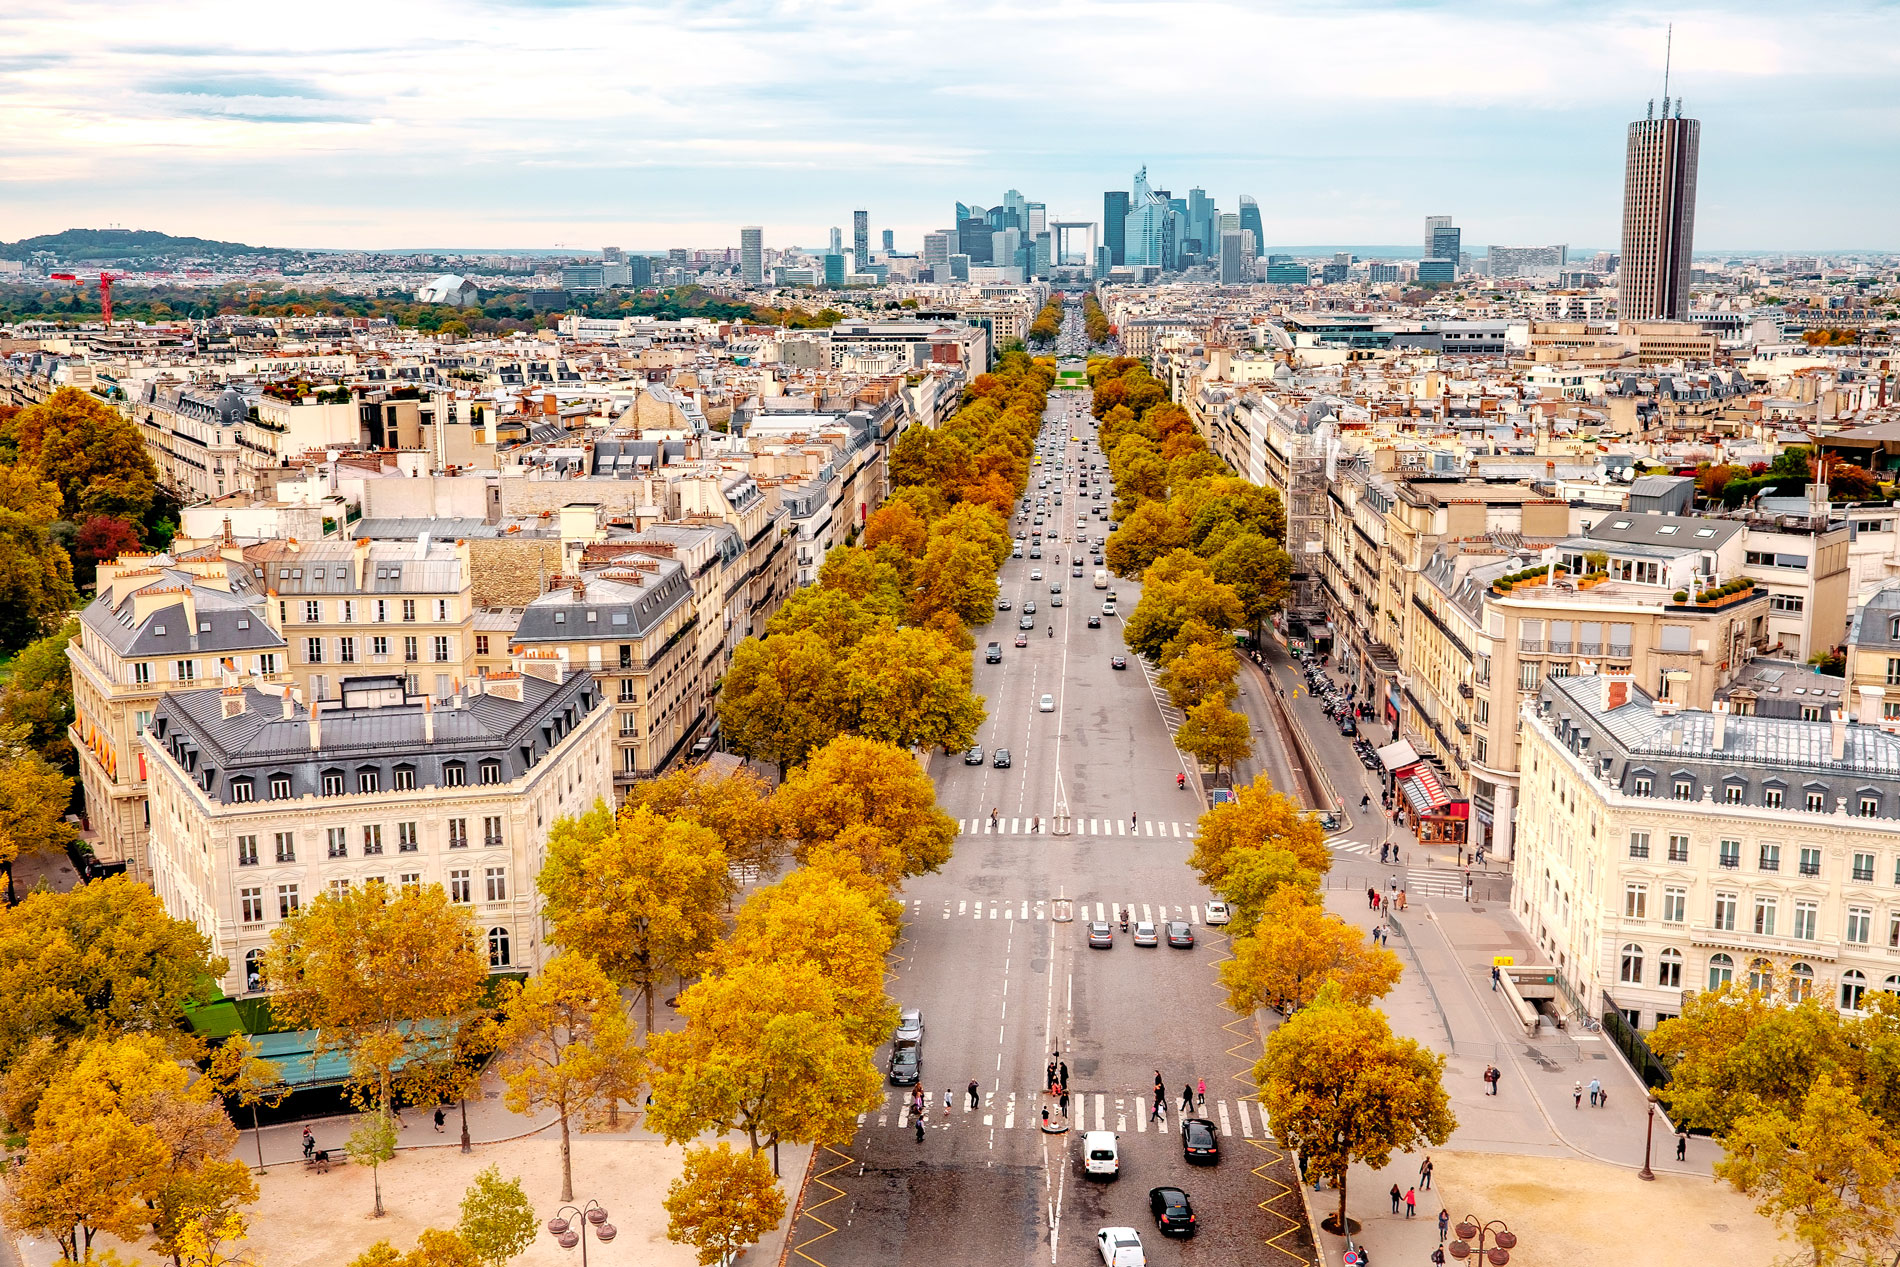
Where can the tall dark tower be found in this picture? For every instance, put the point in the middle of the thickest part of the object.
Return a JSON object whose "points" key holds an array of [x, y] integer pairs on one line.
{"points": [[1658, 214], [1115, 225], [861, 239]]}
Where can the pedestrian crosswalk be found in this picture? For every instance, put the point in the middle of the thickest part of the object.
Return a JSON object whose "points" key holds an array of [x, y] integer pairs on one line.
{"points": [[1121, 1112], [1034, 826], [1418, 881], [1080, 910]]}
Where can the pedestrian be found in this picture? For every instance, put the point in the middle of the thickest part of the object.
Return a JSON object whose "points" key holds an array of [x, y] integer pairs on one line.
{"points": [[1045, 1117], [975, 1099], [1411, 1202], [1062, 1073], [1444, 1223], [1187, 1097], [1133, 819], [949, 1097], [1425, 1174], [1438, 1256], [1200, 1096], [1577, 1092], [438, 1119], [1397, 1197], [1372, 897], [1049, 1076], [1682, 1145], [1160, 1087], [309, 1142], [918, 1121], [1596, 1089], [1603, 1098], [1160, 1108], [1064, 1100], [1495, 975]]}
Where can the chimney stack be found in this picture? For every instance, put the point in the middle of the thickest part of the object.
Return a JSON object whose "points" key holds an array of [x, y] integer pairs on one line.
{"points": [[1719, 713], [290, 705], [428, 719], [1871, 700], [1837, 734], [316, 727]]}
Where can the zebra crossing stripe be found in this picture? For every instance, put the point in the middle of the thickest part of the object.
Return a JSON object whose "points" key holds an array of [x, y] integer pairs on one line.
{"points": [[1246, 1123], [1225, 1129], [1101, 1106]]}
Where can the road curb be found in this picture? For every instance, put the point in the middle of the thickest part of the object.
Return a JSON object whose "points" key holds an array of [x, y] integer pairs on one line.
{"points": [[798, 1206]]}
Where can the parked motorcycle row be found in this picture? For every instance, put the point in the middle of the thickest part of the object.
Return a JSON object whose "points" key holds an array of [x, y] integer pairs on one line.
{"points": [[1339, 705]]}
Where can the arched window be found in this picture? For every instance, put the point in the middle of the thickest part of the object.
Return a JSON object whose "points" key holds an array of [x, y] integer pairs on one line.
{"points": [[254, 970], [498, 956], [1632, 973], [1761, 976], [1892, 984], [1800, 982], [1853, 990], [1669, 969], [1721, 971]]}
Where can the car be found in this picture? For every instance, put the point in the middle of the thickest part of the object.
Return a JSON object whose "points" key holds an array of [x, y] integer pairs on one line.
{"points": [[1035, 552], [1029, 608], [1118, 662], [1173, 1212], [1004, 604], [1145, 934], [1108, 608], [1038, 523], [1025, 621], [1101, 1155], [1101, 936], [1047, 704], [1035, 574], [1056, 601], [907, 1048], [1180, 934], [1121, 1247], [1217, 914], [1200, 1142], [1022, 640], [974, 756], [1055, 587], [1000, 759]]}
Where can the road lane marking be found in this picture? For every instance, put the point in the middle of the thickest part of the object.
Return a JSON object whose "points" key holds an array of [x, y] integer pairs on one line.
{"points": [[1177, 831], [1225, 1128], [1009, 1117], [1194, 913], [1246, 1122], [1025, 914]]}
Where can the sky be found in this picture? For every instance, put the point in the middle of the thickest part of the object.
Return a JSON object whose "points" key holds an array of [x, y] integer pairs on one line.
{"points": [[649, 123]]}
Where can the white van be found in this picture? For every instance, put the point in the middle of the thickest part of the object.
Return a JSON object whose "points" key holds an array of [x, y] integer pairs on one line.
{"points": [[1101, 578], [1100, 1154]]}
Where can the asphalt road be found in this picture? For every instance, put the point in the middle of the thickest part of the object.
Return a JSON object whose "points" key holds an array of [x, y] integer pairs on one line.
{"points": [[1003, 982]]}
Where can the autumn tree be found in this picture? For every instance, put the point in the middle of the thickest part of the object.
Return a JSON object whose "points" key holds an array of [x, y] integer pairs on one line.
{"points": [[956, 575], [90, 450], [871, 799], [911, 688], [33, 800], [39, 697], [1252, 877], [36, 580], [1168, 604], [565, 1046], [815, 915], [1148, 532], [1340, 1087], [433, 1248], [100, 539], [241, 1074], [722, 1202], [736, 807], [103, 958], [640, 894], [781, 698], [1201, 673], [898, 523], [372, 1143], [1298, 948], [1257, 817], [1214, 734], [498, 1221]]}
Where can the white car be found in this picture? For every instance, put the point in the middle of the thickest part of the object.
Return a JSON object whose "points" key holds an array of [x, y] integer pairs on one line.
{"points": [[1047, 705], [1121, 1247], [1100, 1154], [1217, 914]]}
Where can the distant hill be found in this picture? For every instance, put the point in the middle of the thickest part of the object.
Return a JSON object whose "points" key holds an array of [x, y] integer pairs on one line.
{"points": [[106, 246]]}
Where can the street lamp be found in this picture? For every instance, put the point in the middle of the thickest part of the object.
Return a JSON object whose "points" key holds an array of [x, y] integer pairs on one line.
{"points": [[1649, 1133], [1503, 1241], [569, 1236]]}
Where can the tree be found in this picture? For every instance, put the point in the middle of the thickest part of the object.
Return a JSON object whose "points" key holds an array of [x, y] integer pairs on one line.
{"points": [[366, 966], [242, 1075], [566, 1046], [1257, 817], [1297, 949], [101, 539], [36, 581], [1201, 673], [898, 523], [1847, 482], [722, 1202], [372, 1143], [911, 688], [1733, 1052], [1148, 532], [782, 697], [813, 914], [103, 958], [736, 807], [1340, 1087], [1259, 571], [434, 1248], [1167, 605], [766, 1050], [871, 799], [498, 1221], [640, 894], [1214, 734], [39, 696], [89, 450], [33, 800], [216, 1241], [23, 490], [956, 575], [1254, 876]]}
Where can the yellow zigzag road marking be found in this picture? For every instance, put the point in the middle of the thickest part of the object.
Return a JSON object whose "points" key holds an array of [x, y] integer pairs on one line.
{"points": [[811, 1211]]}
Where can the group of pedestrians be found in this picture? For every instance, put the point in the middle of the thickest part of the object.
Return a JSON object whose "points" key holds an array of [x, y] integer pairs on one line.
{"points": [[1599, 1094], [1193, 1094]]}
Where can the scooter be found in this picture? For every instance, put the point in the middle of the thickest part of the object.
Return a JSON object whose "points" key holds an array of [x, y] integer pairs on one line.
{"points": [[1180, 781]]}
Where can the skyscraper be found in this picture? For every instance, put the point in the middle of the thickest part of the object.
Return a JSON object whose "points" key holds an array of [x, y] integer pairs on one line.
{"points": [[890, 241], [1148, 237], [1658, 216], [1232, 243], [1443, 240], [752, 255], [861, 239], [1115, 224], [1432, 225], [837, 240], [938, 247], [1250, 223]]}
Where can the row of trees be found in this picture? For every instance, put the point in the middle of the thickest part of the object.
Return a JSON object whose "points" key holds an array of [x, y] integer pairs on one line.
{"points": [[1048, 322], [1206, 545], [1094, 320], [1338, 1086]]}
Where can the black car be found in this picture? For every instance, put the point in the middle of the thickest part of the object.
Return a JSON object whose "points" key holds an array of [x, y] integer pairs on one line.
{"points": [[1000, 759], [1173, 1212], [1116, 661], [1101, 937], [974, 756], [1200, 1143], [1095, 622], [907, 1048]]}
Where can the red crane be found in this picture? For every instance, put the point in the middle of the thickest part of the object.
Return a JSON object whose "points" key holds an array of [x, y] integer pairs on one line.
{"points": [[105, 288]]}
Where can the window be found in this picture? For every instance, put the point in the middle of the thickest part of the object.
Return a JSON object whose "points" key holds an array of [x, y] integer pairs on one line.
{"points": [[409, 651], [629, 691], [1863, 868], [1761, 977], [458, 833], [1684, 789], [1675, 904], [184, 670], [346, 650], [1484, 711], [1728, 854], [491, 772], [312, 611], [1893, 930], [142, 674], [1645, 787], [1734, 792], [339, 839], [339, 888], [1869, 806], [1810, 860], [379, 646], [491, 831], [1632, 961], [1800, 982], [286, 846], [481, 644], [1785, 602], [1481, 750], [459, 886], [1860, 925], [409, 609], [405, 778], [497, 880], [441, 650], [333, 782], [1636, 901], [1893, 672], [368, 781], [410, 881], [1771, 797], [1806, 916], [1527, 675], [406, 838], [1765, 916], [247, 851], [349, 611], [1725, 907], [287, 901], [1811, 712], [1639, 844], [241, 790], [251, 905], [1771, 857], [1721, 971], [1815, 799], [1669, 970], [1678, 849], [1853, 990], [441, 609], [280, 787], [382, 610], [313, 650], [372, 840], [498, 948], [454, 774], [629, 725]]}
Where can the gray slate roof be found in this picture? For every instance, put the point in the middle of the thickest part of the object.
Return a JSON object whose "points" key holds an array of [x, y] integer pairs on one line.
{"points": [[228, 623]]}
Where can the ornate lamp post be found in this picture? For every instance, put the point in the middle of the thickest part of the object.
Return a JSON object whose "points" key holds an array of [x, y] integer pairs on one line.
{"points": [[573, 1231], [1503, 1241], [1649, 1132]]}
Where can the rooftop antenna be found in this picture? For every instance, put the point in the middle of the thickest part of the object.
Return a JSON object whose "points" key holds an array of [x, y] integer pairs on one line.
{"points": [[1669, 41]]}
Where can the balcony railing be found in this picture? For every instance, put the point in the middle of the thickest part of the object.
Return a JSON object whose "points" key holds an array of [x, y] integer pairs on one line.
{"points": [[1729, 862], [1619, 651], [1532, 646], [1810, 868]]}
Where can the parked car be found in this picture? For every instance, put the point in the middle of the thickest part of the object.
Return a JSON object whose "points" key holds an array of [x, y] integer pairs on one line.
{"points": [[1180, 934], [1200, 1142], [1173, 1212], [1217, 914]]}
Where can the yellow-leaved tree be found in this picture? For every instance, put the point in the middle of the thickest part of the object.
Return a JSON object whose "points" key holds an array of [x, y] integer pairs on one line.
{"points": [[1296, 950], [722, 1202], [869, 799], [1257, 817], [736, 806], [815, 915]]}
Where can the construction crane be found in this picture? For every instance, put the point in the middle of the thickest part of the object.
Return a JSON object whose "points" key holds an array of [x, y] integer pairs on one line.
{"points": [[105, 289]]}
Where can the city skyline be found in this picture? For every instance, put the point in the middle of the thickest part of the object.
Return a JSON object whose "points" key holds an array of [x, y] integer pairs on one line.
{"points": [[521, 132]]}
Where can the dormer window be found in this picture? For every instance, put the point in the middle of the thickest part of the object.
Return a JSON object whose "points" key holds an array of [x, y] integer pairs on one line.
{"points": [[454, 774], [491, 772], [242, 790], [158, 631]]}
